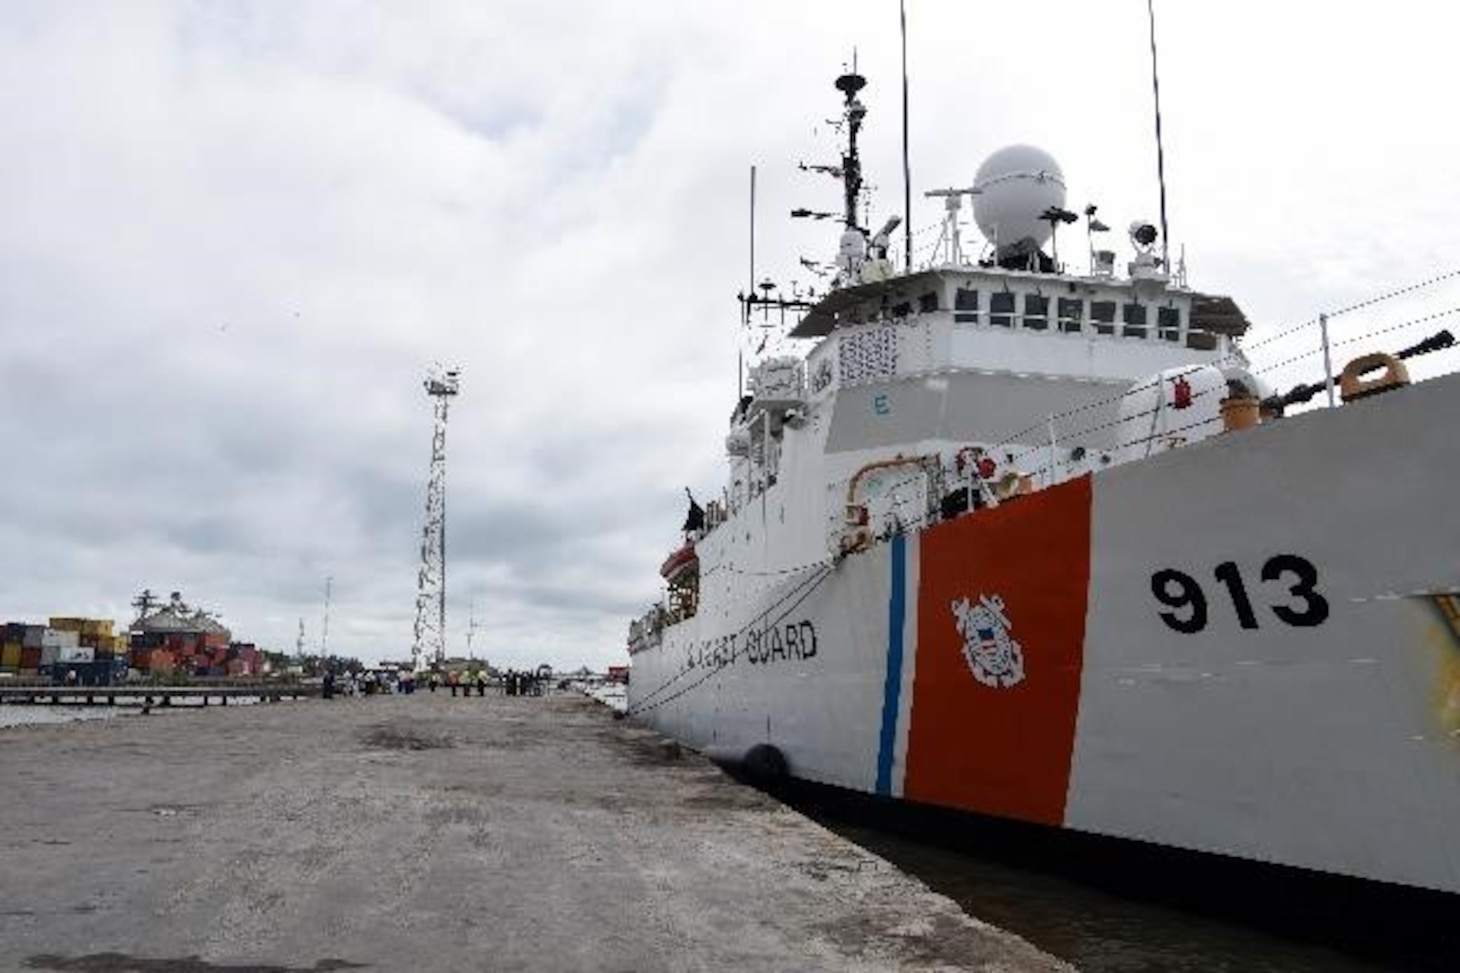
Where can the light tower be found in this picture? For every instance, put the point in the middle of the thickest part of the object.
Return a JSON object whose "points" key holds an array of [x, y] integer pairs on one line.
{"points": [[441, 386]]}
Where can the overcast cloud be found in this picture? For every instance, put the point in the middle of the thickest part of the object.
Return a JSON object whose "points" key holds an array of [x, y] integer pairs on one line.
{"points": [[233, 237]]}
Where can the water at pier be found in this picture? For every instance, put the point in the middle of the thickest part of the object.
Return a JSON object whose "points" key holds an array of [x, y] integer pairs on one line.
{"points": [[1101, 932], [44, 715]]}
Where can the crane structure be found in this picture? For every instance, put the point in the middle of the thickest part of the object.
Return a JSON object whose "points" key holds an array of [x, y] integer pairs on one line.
{"points": [[430, 633]]}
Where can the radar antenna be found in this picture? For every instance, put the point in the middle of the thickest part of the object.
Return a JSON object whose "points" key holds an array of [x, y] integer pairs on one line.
{"points": [[430, 633], [950, 237]]}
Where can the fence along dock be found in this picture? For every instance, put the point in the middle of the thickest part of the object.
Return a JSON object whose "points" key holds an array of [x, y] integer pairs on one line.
{"points": [[41, 694]]}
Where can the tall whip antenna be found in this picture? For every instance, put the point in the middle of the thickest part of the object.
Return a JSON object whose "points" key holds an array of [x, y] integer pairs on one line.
{"points": [[1160, 153], [430, 632], [745, 308], [906, 168]]}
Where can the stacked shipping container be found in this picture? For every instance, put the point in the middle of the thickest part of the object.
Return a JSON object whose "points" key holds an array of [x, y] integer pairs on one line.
{"points": [[195, 653], [91, 649], [20, 647], [85, 648]]}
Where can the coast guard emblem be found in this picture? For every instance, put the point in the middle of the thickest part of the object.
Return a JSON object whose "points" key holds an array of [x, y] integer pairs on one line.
{"points": [[993, 657]]}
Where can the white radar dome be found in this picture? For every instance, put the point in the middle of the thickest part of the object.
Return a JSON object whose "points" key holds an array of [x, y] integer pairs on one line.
{"points": [[1015, 186]]}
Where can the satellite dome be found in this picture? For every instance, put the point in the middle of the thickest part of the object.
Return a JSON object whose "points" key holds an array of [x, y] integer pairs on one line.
{"points": [[1015, 186]]}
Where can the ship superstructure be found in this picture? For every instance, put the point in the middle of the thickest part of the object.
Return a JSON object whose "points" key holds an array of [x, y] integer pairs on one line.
{"points": [[966, 382]]}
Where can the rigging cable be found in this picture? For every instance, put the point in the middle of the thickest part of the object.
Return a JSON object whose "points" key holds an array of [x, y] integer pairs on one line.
{"points": [[807, 585], [1368, 302], [714, 669]]}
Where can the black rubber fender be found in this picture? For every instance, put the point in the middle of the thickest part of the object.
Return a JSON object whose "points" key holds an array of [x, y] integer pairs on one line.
{"points": [[764, 762]]}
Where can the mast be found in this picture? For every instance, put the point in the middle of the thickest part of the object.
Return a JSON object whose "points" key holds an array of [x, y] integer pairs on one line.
{"points": [[849, 84]]}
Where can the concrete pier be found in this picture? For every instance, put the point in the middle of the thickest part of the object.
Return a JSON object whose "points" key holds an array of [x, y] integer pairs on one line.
{"points": [[428, 832]]}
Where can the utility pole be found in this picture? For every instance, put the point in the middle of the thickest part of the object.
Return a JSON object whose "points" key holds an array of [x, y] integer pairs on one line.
{"points": [[430, 632], [471, 627], [324, 628]]}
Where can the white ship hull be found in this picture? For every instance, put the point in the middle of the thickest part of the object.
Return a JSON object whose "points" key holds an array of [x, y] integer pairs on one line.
{"points": [[1308, 716]]}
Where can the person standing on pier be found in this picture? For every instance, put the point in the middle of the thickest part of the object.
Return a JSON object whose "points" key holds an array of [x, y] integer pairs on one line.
{"points": [[482, 681], [451, 680]]}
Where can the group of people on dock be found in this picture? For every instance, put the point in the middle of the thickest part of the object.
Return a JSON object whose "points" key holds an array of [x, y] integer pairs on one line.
{"points": [[369, 683], [512, 682], [461, 680]]}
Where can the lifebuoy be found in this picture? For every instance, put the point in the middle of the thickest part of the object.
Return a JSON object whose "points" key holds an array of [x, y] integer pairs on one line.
{"points": [[981, 461]]}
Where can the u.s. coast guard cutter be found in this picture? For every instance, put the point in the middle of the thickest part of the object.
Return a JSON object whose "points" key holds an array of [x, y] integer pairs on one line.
{"points": [[1042, 546]]}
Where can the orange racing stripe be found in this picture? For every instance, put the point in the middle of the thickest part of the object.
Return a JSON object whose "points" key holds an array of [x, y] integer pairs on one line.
{"points": [[1001, 627]]}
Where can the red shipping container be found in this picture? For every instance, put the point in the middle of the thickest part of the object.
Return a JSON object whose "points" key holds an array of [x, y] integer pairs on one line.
{"points": [[30, 658]]}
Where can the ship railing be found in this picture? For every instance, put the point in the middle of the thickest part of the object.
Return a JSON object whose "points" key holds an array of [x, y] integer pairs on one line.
{"points": [[1093, 418], [857, 530]]}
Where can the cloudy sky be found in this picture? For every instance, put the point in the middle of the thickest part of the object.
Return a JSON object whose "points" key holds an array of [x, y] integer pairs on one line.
{"points": [[234, 236]]}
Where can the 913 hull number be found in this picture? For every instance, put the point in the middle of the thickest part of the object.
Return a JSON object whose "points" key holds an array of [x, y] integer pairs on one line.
{"points": [[1293, 579]]}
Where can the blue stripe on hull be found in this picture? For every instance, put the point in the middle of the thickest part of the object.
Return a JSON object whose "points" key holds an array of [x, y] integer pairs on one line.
{"points": [[892, 687]]}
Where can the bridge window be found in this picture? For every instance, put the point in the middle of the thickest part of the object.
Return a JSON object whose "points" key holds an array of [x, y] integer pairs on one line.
{"points": [[1001, 309], [1103, 314], [1071, 314], [1036, 312], [1134, 316], [1168, 323], [965, 306]]}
